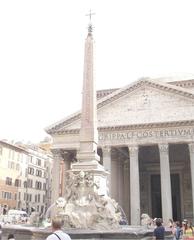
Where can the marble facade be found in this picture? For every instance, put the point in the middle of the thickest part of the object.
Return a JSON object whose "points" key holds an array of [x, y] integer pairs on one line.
{"points": [[146, 142]]}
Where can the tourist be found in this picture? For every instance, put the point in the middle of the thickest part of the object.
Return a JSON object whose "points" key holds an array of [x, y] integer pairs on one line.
{"points": [[159, 230], [58, 234], [170, 223], [188, 231], [10, 237], [177, 230]]}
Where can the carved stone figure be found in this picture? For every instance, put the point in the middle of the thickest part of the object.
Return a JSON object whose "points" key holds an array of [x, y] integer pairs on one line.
{"points": [[145, 220], [83, 207]]}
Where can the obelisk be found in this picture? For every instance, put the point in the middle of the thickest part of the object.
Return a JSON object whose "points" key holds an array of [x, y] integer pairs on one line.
{"points": [[88, 159], [86, 203]]}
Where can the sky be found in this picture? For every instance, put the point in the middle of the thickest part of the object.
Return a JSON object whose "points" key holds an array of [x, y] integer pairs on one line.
{"points": [[42, 54]]}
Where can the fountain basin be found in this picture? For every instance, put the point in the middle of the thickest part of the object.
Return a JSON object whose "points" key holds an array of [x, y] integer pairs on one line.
{"points": [[125, 232]]}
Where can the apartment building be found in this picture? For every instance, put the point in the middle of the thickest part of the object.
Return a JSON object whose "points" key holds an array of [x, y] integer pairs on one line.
{"points": [[12, 160], [25, 177]]}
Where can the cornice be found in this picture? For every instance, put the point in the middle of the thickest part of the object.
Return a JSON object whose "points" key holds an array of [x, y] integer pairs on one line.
{"points": [[184, 83], [130, 127], [145, 82], [115, 95]]}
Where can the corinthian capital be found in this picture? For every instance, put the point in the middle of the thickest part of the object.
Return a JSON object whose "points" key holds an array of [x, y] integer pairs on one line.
{"points": [[163, 147], [106, 149], [133, 150], [56, 153]]}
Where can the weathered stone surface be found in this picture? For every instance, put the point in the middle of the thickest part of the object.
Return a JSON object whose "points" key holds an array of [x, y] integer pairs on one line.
{"points": [[83, 207], [127, 232]]}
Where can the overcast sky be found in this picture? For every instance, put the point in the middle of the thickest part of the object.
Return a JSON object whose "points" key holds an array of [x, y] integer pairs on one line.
{"points": [[42, 46]]}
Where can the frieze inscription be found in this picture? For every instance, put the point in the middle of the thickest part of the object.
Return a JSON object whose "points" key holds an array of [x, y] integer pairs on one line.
{"points": [[164, 133]]}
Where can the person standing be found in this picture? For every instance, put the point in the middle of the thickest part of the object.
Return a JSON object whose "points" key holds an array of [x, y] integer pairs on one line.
{"points": [[57, 234], [188, 231], [159, 231], [177, 231]]}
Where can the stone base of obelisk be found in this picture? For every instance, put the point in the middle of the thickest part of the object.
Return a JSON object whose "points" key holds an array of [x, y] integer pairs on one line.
{"points": [[89, 162], [99, 175]]}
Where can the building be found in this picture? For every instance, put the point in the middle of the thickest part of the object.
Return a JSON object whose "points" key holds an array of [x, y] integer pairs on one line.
{"points": [[145, 141], [12, 158], [25, 177]]}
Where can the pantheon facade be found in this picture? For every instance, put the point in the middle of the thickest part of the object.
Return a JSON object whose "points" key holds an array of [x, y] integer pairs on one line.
{"points": [[145, 141]]}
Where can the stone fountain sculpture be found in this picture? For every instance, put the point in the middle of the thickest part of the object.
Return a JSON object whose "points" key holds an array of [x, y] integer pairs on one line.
{"points": [[86, 203], [83, 207]]}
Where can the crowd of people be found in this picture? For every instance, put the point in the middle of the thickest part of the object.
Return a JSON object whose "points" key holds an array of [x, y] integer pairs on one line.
{"points": [[180, 230]]}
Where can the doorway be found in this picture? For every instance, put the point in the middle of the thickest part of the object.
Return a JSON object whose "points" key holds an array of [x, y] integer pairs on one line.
{"points": [[156, 196]]}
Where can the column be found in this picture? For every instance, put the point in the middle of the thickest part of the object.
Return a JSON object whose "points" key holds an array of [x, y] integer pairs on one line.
{"points": [[106, 151], [66, 166], [166, 194], [191, 152], [134, 185], [55, 174]]}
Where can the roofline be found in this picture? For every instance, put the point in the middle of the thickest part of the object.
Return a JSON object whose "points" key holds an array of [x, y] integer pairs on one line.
{"points": [[13, 146]]}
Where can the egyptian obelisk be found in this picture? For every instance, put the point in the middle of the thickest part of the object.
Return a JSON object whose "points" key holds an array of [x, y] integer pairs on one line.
{"points": [[88, 159], [86, 203]]}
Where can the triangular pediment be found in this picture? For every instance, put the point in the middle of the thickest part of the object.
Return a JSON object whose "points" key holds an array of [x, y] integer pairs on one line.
{"points": [[142, 102]]}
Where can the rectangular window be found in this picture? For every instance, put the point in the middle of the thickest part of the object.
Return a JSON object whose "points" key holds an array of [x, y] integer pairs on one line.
{"points": [[6, 195], [25, 184], [17, 183], [8, 181], [30, 183], [38, 162], [38, 185], [31, 171], [38, 197], [38, 173]]}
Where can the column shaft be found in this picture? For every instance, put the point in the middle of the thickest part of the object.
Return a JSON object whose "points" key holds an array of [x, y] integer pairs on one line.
{"points": [[55, 175], [191, 152], [134, 185], [66, 166], [166, 194]]}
